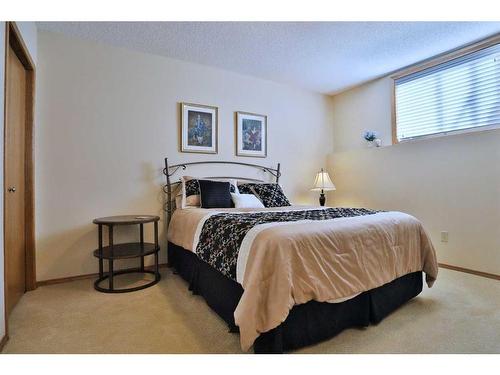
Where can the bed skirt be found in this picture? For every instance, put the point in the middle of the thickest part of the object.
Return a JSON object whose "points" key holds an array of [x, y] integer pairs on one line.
{"points": [[307, 323]]}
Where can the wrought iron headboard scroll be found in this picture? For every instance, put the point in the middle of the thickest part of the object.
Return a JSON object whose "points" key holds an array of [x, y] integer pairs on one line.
{"points": [[170, 170]]}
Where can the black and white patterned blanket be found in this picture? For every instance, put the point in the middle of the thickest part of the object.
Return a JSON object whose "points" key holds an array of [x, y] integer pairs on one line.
{"points": [[222, 234]]}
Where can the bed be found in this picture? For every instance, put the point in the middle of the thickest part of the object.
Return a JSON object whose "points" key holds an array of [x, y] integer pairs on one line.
{"points": [[288, 277]]}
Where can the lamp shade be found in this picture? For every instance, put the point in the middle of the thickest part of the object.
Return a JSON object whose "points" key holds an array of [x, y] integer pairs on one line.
{"points": [[323, 181]]}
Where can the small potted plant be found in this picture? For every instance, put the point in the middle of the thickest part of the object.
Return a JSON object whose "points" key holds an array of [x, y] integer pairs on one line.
{"points": [[371, 138]]}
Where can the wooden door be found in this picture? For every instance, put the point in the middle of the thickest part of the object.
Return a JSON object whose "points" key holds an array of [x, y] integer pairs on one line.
{"points": [[14, 185]]}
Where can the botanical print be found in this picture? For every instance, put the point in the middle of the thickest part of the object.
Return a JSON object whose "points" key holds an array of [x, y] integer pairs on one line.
{"points": [[251, 134], [198, 128]]}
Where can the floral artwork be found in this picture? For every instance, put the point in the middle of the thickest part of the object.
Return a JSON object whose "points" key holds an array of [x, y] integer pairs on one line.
{"points": [[251, 134], [198, 128]]}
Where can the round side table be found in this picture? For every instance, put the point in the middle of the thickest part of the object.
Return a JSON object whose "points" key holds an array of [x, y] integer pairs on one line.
{"points": [[125, 251]]}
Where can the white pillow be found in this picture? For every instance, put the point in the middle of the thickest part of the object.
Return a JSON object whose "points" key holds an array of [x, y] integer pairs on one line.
{"points": [[246, 201]]}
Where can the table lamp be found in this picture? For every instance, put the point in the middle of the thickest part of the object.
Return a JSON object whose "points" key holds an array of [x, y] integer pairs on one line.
{"points": [[323, 183]]}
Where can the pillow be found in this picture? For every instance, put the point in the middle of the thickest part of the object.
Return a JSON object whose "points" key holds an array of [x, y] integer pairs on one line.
{"points": [[191, 190], [271, 195], [215, 194], [246, 201], [245, 188], [178, 201]]}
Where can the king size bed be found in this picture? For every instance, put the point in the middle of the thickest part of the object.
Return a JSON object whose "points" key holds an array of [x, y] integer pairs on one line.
{"points": [[287, 276]]}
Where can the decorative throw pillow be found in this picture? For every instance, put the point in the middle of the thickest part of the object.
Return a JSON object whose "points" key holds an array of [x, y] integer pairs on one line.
{"points": [[246, 188], [246, 201], [271, 195], [191, 190], [215, 194], [192, 187]]}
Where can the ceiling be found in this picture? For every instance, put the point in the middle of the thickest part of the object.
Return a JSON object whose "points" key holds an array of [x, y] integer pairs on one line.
{"points": [[325, 57]]}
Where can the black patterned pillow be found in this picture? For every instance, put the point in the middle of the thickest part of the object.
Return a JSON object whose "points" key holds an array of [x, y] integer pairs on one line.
{"points": [[246, 188], [193, 187], [271, 195]]}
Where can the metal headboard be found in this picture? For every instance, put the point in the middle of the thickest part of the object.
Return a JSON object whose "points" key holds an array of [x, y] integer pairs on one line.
{"points": [[170, 170]]}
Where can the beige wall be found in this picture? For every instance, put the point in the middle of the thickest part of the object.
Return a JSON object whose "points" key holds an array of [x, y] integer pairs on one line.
{"points": [[450, 183], [108, 116], [28, 33]]}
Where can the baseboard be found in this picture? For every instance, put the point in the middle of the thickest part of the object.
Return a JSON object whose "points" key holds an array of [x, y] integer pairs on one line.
{"points": [[82, 277], [473, 272], [3, 341], [162, 265]]}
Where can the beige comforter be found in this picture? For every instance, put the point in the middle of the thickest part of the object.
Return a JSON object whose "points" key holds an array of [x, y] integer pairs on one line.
{"points": [[332, 260]]}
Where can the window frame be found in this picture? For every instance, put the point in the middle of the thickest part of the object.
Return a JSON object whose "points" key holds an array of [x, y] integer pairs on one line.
{"points": [[429, 63]]}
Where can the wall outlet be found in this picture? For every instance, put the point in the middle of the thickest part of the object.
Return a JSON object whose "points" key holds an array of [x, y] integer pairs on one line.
{"points": [[444, 236]]}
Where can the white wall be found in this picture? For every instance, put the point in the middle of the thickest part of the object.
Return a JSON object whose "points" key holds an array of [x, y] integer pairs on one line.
{"points": [[29, 35], [108, 116], [450, 183]]}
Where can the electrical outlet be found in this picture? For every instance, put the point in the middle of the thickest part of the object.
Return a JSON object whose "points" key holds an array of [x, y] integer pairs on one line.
{"points": [[444, 236]]}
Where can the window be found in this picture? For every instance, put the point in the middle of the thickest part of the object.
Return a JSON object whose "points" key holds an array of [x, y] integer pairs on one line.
{"points": [[459, 94]]}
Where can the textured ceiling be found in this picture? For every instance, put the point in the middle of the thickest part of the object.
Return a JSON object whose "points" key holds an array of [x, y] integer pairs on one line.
{"points": [[326, 57]]}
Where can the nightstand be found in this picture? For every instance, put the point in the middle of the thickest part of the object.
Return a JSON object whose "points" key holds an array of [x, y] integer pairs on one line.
{"points": [[129, 250]]}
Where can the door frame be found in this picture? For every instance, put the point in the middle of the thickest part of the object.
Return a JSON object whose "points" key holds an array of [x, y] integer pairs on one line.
{"points": [[14, 39]]}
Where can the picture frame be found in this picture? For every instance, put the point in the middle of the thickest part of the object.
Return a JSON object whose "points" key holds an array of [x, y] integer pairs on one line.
{"points": [[199, 128], [251, 135]]}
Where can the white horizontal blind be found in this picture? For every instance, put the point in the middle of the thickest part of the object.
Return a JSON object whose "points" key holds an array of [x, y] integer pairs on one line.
{"points": [[460, 94]]}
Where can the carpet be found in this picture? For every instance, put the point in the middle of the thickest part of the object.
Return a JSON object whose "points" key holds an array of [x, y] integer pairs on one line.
{"points": [[460, 314]]}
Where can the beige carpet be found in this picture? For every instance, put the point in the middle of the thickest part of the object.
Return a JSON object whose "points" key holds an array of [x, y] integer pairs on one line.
{"points": [[460, 314]]}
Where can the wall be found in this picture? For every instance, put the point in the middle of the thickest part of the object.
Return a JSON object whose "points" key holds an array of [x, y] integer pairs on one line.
{"points": [[107, 117], [450, 183], [29, 35]]}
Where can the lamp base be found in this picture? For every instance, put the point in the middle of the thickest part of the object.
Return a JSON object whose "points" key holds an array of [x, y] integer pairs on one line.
{"points": [[322, 199]]}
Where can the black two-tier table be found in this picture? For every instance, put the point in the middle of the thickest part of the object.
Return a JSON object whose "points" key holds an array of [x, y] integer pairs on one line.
{"points": [[129, 250]]}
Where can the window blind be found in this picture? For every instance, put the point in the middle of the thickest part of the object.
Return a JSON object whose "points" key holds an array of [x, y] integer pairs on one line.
{"points": [[460, 94]]}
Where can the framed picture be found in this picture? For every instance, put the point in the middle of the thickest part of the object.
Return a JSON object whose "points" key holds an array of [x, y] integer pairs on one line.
{"points": [[199, 128], [251, 134]]}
